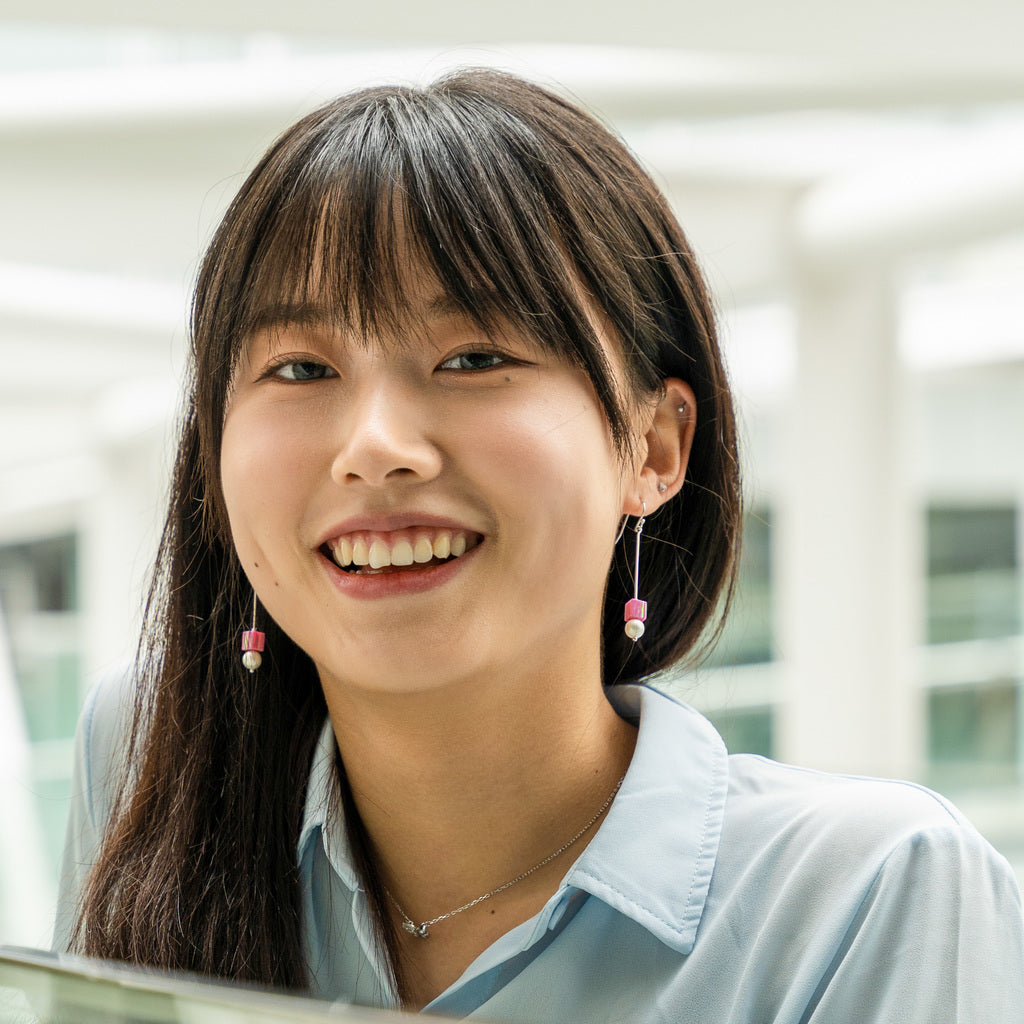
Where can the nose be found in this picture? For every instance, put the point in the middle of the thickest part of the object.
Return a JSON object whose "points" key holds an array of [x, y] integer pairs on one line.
{"points": [[384, 439]]}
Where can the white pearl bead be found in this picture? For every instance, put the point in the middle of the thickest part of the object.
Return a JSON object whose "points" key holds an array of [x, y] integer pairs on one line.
{"points": [[634, 629], [252, 660]]}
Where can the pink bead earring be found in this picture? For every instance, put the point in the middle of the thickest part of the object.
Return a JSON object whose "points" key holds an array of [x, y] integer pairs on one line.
{"points": [[253, 642], [636, 610]]}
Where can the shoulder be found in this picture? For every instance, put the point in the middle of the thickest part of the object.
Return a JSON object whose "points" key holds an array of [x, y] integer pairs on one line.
{"points": [[99, 765], [792, 800], [845, 826], [861, 849], [893, 897], [100, 742]]}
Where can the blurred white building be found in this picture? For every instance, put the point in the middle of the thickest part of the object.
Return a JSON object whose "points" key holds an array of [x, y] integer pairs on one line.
{"points": [[858, 201]]}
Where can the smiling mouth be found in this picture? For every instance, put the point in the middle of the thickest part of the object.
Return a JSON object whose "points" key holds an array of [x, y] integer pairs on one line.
{"points": [[370, 554]]}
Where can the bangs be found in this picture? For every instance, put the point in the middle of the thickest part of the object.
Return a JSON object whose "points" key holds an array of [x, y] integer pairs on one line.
{"points": [[363, 200]]}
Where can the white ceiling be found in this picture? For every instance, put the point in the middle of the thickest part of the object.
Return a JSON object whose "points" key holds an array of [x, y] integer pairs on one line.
{"points": [[844, 132], [950, 36]]}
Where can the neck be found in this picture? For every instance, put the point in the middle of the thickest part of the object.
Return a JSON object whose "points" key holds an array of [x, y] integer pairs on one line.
{"points": [[464, 787]]}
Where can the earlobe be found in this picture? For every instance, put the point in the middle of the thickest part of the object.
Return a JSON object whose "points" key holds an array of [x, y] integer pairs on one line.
{"points": [[668, 440]]}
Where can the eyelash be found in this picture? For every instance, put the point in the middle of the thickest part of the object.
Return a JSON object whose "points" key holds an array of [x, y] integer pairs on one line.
{"points": [[324, 372], [275, 371], [500, 359]]}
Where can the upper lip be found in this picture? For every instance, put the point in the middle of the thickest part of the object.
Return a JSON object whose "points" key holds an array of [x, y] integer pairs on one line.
{"points": [[369, 523]]}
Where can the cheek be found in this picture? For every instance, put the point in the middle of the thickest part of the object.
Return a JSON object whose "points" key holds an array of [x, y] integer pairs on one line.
{"points": [[264, 472], [559, 468], [568, 443]]}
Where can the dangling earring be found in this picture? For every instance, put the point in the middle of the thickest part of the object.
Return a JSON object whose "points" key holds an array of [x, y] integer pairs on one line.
{"points": [[252, 642], [636, 610]]}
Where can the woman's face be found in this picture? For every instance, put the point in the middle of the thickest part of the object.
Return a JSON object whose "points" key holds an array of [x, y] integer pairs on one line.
{"points": [[421, 510]]}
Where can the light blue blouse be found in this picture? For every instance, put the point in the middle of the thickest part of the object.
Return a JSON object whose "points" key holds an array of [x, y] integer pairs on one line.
{"points": [[718, 889]]}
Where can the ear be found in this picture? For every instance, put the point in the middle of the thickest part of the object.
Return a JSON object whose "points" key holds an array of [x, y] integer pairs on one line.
{"points": [[665, 449]]}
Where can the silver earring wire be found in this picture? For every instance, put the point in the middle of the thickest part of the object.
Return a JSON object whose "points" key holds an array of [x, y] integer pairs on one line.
{"points": [[638, 529], [625, 520], [622, 530]]}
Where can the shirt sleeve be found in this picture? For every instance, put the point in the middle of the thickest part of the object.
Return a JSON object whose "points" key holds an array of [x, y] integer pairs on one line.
{"points": [[939, 938], [95, 775]]}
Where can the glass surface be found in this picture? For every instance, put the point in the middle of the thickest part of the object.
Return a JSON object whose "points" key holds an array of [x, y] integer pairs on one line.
{"points": [[39, 606], [49, 685], [973, 735], [747, 636], [745, 730], [973, 591], [39, 576], [37, 987]]}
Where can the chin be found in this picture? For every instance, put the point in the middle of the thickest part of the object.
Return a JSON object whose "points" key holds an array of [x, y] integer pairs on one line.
{"points": [[419, 671]]}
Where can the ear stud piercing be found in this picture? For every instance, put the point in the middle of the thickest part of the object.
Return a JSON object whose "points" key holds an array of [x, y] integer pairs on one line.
{"points": [[662, 487], [636, 610], [253, 642]]}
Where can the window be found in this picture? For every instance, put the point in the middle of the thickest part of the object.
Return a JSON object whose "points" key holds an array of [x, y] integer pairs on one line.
{"points": [[743, 714], [38, 601], [972, 735], [972, 574], [973, 675], [747, 637]]}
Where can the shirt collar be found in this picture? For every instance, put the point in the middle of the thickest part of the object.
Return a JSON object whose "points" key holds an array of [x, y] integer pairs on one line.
{"points": [[323, 814], [653, 855]]}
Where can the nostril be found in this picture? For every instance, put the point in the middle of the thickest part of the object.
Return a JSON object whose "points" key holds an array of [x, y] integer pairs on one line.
{"points": [[381, 450]]}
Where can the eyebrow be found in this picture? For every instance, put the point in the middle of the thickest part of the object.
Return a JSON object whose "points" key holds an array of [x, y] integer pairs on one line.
{"points": [[445, 305], [312, 315], [291, 314]]}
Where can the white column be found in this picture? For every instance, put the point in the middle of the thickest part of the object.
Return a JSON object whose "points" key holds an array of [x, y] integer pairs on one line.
{"points": [[119, 532], [848, 558]]}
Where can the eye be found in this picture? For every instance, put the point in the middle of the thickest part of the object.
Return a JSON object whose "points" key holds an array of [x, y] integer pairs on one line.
{"points": [[301, 370], [469, 361]]}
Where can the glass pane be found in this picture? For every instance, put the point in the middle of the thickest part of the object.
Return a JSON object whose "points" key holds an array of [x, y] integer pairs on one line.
{"points": [[49, 692], [38, 588], [973, 733], [973, 589], [38, 576], [746, 731], [747, 637]]}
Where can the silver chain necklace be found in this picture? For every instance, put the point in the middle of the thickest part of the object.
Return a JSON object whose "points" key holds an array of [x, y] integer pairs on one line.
{"points": [[422, 930]]}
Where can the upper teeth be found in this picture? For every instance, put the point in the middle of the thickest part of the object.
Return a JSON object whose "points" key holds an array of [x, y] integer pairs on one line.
{"points": [[378, 553]]}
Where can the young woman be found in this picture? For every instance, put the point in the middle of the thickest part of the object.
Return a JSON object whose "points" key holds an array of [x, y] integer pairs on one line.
{"points": [[459, 461]]}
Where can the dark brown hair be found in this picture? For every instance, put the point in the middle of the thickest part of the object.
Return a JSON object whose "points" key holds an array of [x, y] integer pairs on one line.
{"points": [[526, 210]]}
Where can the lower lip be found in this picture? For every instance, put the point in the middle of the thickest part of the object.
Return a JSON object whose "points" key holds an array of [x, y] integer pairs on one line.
{"points": [[373, 586]]}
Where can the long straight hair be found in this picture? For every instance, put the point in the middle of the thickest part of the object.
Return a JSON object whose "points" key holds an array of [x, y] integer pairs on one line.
{"points": [[527, 211]]}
